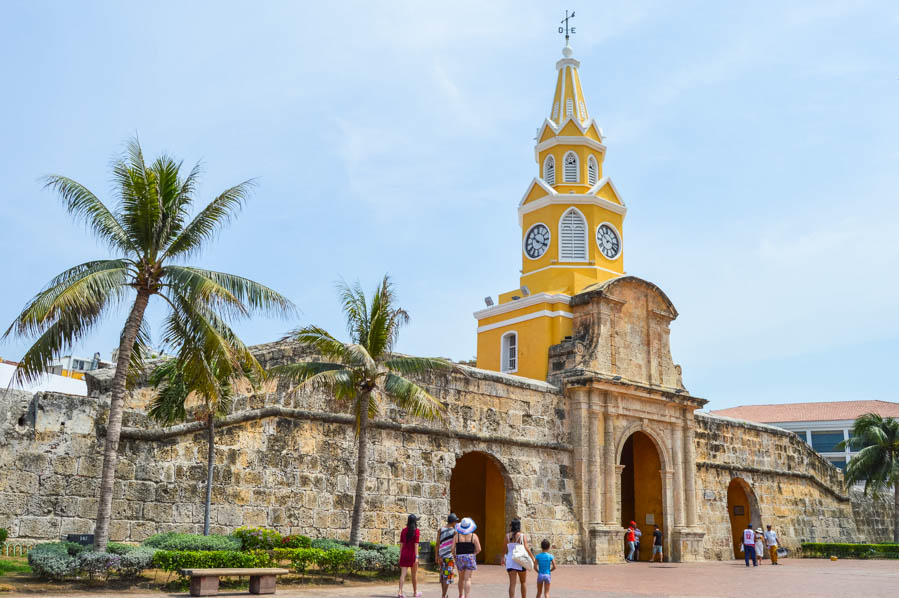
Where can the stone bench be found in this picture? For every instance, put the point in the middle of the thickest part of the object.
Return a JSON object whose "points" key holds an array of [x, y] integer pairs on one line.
{"points": [[205, 582]]}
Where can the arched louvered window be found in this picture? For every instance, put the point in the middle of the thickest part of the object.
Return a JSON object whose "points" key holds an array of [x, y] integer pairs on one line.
{"points": [[549, 170], [569, 107], [569, 163], [592, 170], [509, 352], [583, 110], [556, 111], [573, 237]]}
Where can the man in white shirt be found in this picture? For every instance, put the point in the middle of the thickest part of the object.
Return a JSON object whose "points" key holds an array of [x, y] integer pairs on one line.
{"points": [[771, 544], [638, 534], [749, 546]]}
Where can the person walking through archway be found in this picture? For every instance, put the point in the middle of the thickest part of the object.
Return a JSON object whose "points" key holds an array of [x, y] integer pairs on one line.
{"points": [[466, 546], [749, 545], [516, 569], [409, 555], [445, 562]]}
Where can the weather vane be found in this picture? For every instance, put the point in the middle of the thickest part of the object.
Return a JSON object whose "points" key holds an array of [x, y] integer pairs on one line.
{"points": [[567, 30]]}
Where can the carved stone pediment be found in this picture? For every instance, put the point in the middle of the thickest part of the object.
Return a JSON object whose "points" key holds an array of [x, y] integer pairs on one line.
{"points": [[620, 328]]}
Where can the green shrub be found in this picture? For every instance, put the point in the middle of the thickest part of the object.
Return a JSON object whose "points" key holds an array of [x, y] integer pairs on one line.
{"points": [[367, 560], [301, 558], [336, 560], [296, 542], [257, 538], [136, 560], [55, 560], [326, 544], [175, 560], [847, 550], [3, 535], [97, 564], [191, 542], [119, 548]]}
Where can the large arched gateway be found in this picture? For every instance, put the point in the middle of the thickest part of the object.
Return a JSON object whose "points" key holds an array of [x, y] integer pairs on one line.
{"points": [[743, 510], [479, 489], [641, 487]]}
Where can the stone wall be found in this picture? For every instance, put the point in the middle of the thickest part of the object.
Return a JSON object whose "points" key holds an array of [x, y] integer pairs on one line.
{"points": [[873, 516], [293, 469], [797, 492], [292, 473]]}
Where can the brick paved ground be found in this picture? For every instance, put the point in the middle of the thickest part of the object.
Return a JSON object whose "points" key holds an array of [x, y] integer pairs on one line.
{"points": [[794, 579]]}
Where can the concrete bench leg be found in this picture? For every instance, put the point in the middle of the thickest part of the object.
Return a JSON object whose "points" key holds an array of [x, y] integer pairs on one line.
{"points": [[204, 586], [262, 584]]}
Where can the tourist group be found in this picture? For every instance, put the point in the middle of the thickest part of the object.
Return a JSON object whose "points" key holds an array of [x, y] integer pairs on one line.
{"points": [[457, 548]]}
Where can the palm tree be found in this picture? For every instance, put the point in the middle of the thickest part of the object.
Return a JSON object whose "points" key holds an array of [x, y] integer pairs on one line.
{"points": [[151, 230], [876, 439], [214, 381], [364, 372]]}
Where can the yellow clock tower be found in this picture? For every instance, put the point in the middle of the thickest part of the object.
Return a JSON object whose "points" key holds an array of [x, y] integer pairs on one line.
{"points": [[571, 219]]}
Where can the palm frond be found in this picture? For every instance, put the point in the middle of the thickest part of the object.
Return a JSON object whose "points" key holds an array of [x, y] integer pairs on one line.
{"points": [[355, 310], [296, 374], [139, 205], [84, 205], [416, 366], [235, 295], [210, 220], [323, 343], [80, 288], [411, 397]]}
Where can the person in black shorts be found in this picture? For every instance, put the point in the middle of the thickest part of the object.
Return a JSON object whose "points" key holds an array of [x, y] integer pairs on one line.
{"points": [[656, 544]]}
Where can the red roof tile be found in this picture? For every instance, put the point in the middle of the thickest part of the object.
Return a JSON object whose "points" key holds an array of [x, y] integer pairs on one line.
{"points": [[803, 412]]}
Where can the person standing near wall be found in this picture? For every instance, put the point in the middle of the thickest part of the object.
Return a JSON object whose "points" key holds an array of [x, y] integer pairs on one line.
{"points": [[409, 555], [466, 546], [638, 537], [630, 537], [656, 544], [749, 545], [445, 562], [771, 543]]}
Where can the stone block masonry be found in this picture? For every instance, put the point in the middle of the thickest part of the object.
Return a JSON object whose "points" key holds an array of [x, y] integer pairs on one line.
{"points": [[293, 470]]}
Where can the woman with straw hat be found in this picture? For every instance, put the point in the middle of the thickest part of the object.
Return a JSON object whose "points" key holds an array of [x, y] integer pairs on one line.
{"points": [[466, 546]]}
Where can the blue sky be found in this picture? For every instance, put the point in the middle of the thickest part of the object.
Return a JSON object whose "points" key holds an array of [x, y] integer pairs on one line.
{"points": [[754, 143]]}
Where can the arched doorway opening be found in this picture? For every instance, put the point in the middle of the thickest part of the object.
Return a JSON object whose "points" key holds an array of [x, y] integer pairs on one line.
{"points": [[478, 490], [641, 487], [743, 509]]}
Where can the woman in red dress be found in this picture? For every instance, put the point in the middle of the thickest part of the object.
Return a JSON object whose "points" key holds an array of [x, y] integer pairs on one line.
{"points": [[409, 555]]}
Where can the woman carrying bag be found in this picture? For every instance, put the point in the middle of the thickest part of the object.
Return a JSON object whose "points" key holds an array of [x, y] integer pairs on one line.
{"points": [[519, 559]]}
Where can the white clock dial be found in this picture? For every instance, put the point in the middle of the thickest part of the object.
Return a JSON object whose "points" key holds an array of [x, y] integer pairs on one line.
{"points": [[608, 241], [536, 241]]}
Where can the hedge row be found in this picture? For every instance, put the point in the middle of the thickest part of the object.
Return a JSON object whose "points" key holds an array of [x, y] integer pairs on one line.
{"points": [[64, 560], [845, 550], [334, 561]]}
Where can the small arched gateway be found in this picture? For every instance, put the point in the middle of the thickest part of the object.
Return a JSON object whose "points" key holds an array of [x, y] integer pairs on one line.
{"points": [[480, 489], [742, 509]]}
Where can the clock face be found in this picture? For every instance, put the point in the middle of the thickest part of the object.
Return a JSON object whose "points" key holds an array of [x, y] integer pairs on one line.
{"points": [[608, 241], [536, 241]]}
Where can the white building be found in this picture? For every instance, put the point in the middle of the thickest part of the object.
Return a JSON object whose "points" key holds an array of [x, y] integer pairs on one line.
{"points": [[51, 382], [821, 425]]}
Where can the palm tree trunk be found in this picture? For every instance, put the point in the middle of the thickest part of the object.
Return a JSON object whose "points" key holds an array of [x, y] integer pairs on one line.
{"points": [[210, 464], [896, 511], [114, 423], [361, 471]]}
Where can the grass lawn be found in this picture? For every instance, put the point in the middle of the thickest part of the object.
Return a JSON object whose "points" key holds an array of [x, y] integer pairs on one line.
{"points": [[9, 564]]}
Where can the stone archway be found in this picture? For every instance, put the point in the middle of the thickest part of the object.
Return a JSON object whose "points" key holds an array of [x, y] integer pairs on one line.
{"points": [[742, 509], [641, 491], [480, 489]]}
